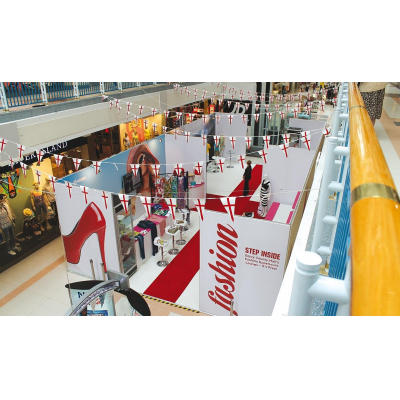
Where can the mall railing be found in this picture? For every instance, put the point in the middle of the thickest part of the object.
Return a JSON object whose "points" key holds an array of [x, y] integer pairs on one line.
{"points": [[16, 94], [367, 210]]}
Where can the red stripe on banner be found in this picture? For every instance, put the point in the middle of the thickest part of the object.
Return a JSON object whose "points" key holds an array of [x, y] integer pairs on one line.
{"points": [[272, 211], [176, 276], [295, 200], [290, 217]]}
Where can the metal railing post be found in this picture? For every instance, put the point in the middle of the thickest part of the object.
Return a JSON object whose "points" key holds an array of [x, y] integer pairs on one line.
{"points": [[138, 84], [119, 86], [102, 91], [3, 97], [305, 275], [76, 90], [43, 92]]}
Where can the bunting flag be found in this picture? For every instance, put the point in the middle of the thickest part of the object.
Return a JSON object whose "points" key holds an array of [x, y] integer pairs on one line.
{"points": [[3, 143], [295, 112], [176, 132], [284, 148], [221, 102], [229, 205], [111, 104], [322, 105], [21, 149], [140, 110], [233, 140], [266, 107], [298, 106], [221, 162], [327, 131], [277, 107], [127, 114], [223, 96], [179, 115], [23, 166], [116, 103], [241, 97], [198, 167], [262, 97], [153, 112], [282, 114], [135, 169], [230, 118], [204, 137], [77, 162], [125, 201], [257, 107], [187, 135], [69, 186], [178, 168], [269, 115], [247, 106], [85, 192], [218, 117], [119, 109], [287, 107], [271, 99], [216, 139], [191, 116], [38, 174], [200, 205], [128, 106], [242, 159], [305, 138], [267, 140], [256, 116], [172, 205], [229, 103], [156, 168], [299, 96], [96, 165], [103, 97], [244, 118], [188, 93], [40, 155], [136, 119], [164, 129], [263, 154], [154, 127], [166, 114], [105, 198], [146, 201], [248, 141], [204, 117], [286, 137], [145, 122]]}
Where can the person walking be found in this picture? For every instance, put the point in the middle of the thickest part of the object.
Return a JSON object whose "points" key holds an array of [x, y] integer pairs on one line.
{"points": [[373, 94], [247, 177]]}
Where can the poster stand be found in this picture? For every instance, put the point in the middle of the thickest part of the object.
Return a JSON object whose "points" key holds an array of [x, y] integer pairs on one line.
{"points": [[230, 159]]}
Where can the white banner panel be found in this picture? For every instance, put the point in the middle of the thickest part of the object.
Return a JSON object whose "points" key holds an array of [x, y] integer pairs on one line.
{"points": [[241, 261], [308, 125], [238, 128], [88, 230]]}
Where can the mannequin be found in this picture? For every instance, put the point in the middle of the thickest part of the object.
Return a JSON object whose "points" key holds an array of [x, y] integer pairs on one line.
{"points": [[30, 226], [127, 142], [221, 145], [50, 197], [39, 205], [265, 194], [7, 222]]}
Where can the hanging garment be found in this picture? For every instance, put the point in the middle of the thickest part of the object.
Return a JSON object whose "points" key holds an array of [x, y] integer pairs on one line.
{"points": [[152, 226], [167, 189], [264, 193], [174, 187], [180, 203], [140, 239], [160, 221]]}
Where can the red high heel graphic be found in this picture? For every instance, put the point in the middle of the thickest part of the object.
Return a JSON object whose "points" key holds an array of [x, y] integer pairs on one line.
{"points": [[92, 221]]}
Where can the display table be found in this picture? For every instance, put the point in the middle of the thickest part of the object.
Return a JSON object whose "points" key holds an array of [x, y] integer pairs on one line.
{"points": [[161, 243], [174, 251], [181, 223]]}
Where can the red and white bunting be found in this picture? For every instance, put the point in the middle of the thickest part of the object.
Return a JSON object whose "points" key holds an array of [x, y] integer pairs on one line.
{"points": [[188, 93], [166, 113], [267, 140], [327, 131], [233, 96], [3, 143], [241, 97], [135, 168], [85, 192], [191, 116], [229, 103], [230, 119], [284, 147], [287, 107], [263, 154], [195, 91], [198, 167], [96, 165], [119, 109], [23, 166], [204, 92], [146, 201], [218, 117], [248, 141], [271, 99], [244, 118], [195, 96], [247, 106], [216, 139], [125, 201], [128, 106], [21, 149], [299, 96], [242, 159], [218, 84], [308, 96], [277, 107], [153, 112], [179, 114], [298, 106], [53, 181], [154, 127], [105, 198], [282, 114], [229, 204], [178, 168], [111, 104], [182, 91], [212, 99], [164, 129], [40, 155], [11, 162], [305, 138], [266, 107], [136, 118], [262, 97], [140, 110], [103, 97], [156, 168], [223, 96], [77, 162], [221, 162], [171, 203], [187, 136], [308, 110], [233, 140], [69, 186], [257, 107], [322, 105], [176, 131], [204, 117], [38, 174], [286, 137], [269, 115], [127, 114], [116, 103], [200, 205], [221, 102], [256, 116], [295, 112], [145, 122], [204, 137]]}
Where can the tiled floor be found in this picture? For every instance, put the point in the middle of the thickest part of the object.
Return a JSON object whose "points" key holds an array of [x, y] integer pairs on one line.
{"points": [[36, 285]]}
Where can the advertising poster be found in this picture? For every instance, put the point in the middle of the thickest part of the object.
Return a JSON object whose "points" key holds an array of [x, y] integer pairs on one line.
{"points": [[242, 261], [102, 306]]}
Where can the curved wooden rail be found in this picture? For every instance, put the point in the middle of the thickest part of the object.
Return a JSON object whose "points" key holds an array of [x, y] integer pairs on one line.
{"points": [[374, 219]]}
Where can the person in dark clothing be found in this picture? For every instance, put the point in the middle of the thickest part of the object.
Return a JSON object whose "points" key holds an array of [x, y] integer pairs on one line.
{"points": [[247, 177]]}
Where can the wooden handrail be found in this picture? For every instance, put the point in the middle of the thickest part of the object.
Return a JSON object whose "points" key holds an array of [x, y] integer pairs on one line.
{"points": [[374, 219]]}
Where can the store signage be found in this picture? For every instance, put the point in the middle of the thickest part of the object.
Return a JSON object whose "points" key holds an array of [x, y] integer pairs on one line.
{"points": [[198, 110]]}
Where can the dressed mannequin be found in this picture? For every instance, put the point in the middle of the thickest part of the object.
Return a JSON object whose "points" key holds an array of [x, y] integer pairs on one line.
{"points": [[127, 142], [30, 226], [265, 194], [7, 222], [39, 205], [221, 145], [50, 197]]}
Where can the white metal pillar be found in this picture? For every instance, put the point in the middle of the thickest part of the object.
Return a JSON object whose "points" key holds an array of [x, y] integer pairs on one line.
{"points": [[102, 91], [43, 91], [119, 86], [76, 90], [138, 84], [3, 97]]}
